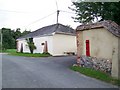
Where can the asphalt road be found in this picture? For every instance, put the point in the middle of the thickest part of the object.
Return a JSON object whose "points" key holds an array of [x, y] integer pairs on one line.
{"points": [[49, 72]]}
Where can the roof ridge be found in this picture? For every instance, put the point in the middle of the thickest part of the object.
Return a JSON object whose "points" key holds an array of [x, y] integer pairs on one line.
{"points": [[111, 26], [48, 30], [56, 27]]}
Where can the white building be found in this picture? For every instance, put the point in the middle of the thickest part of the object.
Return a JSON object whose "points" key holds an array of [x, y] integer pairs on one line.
{"points": [[57, 39]]}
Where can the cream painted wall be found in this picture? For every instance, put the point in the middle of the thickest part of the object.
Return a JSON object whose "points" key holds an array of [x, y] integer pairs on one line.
{"points": [[64, 43], [57, 44], [102, 43], [119, 58], [116, 60]]}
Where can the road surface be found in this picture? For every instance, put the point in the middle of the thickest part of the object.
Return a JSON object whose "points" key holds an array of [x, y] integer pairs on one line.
{"points": [[49, 72]]}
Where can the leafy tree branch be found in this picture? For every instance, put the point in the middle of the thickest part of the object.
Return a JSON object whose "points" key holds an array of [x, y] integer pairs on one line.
{"points": [[87, 12]]}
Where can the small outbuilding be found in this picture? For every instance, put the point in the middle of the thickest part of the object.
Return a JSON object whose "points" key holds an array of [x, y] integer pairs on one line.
{"points": [[56, 39], [101, 40]]}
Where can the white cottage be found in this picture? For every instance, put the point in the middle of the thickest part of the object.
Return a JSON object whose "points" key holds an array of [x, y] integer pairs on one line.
{"points": [[56, 39]]}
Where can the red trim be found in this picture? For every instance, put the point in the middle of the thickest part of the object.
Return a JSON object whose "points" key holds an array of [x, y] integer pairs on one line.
{"points": [[87, 48]]}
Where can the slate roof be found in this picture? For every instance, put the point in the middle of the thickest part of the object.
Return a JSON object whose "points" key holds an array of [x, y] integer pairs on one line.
{"points": [[108, 24], [49, 30]]}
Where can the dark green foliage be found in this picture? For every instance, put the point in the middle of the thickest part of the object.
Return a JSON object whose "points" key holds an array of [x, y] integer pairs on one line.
{"points": [[9, 37], [25, 32], [17, 33], [31, 44], [89, 11]]}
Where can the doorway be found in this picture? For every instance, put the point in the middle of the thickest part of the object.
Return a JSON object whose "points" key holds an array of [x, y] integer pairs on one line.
{"points": [[87, 48]]}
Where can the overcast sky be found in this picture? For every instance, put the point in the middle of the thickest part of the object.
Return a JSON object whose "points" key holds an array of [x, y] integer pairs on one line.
{"points": [[24, 13]]}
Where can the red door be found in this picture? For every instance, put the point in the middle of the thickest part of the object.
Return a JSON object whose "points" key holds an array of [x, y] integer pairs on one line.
{"points": [[87, 48]]}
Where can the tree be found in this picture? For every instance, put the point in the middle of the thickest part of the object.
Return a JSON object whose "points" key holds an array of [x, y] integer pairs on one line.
{"points": [[25, 32], [8, 42], [96, 11], [17, 33], [9, 37], [31, 45]]}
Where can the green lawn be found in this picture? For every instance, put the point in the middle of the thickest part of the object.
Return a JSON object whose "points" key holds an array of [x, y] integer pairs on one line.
{"points": [[9, 51], [96, 74], [13, 52]]}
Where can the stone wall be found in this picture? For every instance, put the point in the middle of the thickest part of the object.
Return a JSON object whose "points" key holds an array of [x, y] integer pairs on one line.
{"points": [[101, 64]]}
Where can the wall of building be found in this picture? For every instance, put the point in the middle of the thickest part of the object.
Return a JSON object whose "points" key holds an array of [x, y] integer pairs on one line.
{"points": [[103, 44], [38, 43], [57, 44], [64, 43], [79, 36], [25, 47], [119, 58], [116, 60]]}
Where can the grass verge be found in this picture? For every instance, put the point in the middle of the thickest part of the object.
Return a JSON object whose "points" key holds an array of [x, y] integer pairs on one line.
{"points": [[30, 55], [96, 74], [9, 51], [13, 52]]}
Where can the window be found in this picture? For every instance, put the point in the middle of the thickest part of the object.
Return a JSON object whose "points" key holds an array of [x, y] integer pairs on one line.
{"points": [[42, 43]]}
